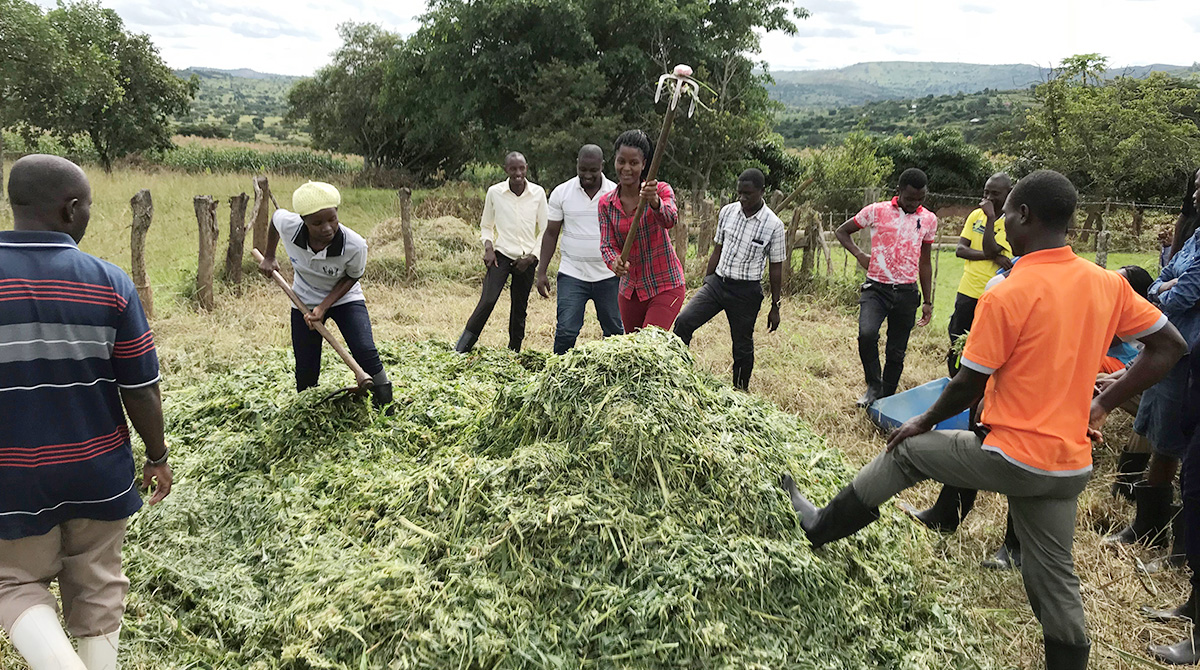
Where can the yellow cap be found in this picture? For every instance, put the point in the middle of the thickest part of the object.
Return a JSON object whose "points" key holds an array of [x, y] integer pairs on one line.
{"points": [[314, 197]]}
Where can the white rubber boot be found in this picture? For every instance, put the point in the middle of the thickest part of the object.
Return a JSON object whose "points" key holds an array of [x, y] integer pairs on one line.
{"points": [[99, 653], [39, 637]]}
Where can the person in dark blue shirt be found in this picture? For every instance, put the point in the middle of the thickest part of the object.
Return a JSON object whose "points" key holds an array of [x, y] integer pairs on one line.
{"points": [[76, 356]]}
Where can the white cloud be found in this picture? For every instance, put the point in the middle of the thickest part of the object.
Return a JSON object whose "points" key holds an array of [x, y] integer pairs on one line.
{"points": [[297, 36]]}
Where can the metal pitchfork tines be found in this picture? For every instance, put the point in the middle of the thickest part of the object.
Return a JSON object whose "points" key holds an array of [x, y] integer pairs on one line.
{"points": [[681, 82]]}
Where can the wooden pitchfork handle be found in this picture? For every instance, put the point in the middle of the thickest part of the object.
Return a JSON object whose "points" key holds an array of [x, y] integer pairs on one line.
{"points": [[659, 150], [360, 375]]}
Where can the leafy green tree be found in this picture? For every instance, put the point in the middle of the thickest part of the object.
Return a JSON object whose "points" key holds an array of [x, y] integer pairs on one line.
{"points": [[232, 118], [107, 84], [30, 53], [478, 79], [1120, 138], [953, 165], [346, 104], [258, 122], [841, 172]]}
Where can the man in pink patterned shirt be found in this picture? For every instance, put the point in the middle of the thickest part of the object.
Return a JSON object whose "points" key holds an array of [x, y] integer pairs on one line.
{"points": [[902, 234]]}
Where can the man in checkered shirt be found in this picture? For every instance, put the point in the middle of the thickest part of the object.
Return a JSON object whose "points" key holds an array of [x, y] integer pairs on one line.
{"points": [[748, 234]]}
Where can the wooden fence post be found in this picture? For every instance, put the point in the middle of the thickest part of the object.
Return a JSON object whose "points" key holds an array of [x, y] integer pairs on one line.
{"points": [[143, 212], [410, 249], [679, 234], [790, 244], [206, 218], [260, 216], [1102, 237], [704, 242], [237, 238], [816, 225]]}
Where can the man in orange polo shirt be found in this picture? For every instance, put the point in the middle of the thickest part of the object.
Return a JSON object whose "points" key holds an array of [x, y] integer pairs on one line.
{"points": [[1032, 357]]}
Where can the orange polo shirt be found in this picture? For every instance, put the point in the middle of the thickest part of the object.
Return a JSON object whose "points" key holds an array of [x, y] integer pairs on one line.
{"points": [[1039, 334]]}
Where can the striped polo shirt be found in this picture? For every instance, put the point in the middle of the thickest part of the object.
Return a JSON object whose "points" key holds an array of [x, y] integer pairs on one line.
{"points": [[72, 331]]}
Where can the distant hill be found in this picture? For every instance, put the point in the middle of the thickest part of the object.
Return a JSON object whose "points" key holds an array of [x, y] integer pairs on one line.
{"points": [[244, 92], [894, 80]]}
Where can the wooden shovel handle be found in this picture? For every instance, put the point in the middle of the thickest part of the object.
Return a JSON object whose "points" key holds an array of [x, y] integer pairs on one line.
{"points": [[360, 375]]}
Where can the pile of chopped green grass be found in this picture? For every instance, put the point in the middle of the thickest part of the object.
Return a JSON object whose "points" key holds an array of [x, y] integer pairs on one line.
{"points": [[610, 508]]}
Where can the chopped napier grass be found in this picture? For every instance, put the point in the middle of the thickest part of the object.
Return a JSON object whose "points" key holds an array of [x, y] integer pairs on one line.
{"points": [[608, 508]]}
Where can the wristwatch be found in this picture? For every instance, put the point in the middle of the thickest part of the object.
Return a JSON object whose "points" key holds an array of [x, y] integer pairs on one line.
{"points": [[161, 459]]}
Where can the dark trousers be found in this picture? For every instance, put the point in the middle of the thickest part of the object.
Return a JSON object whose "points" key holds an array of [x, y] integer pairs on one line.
{"points": [[493, 285], [898, 304], [355, 325], [573, 295], [741, 301], [960, 322]]}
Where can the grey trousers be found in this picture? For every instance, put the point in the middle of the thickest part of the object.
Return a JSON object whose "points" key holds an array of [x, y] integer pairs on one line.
{"points": [[1042, 508]]}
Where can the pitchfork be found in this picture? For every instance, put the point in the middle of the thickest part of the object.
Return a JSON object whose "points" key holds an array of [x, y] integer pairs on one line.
{"points": [[681, 83]]}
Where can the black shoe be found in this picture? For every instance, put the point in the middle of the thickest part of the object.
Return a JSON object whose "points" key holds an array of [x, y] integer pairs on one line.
{"points": [[1183, 652], [1130, 467], [844, 516], [381, 395], [1064, 656], [952, 506], [1151, 519], [466, 342], [869, 397], [1176, 556], [1005, 558], [1180, 613]]}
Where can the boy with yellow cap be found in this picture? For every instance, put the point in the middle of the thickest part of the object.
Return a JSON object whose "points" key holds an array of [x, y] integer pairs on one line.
{"points": [[328, 259]]}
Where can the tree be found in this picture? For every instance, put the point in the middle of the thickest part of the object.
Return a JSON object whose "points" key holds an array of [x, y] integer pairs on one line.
{"points": [[107, 84], [232, 118], [953, 166], [478, 78], [258, 122], [1120, 138], [841, 172], [29, 57], [346, 104]]}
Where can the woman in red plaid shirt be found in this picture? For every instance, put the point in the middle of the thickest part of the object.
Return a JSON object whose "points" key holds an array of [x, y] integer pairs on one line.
{"points": [[652, 284]]}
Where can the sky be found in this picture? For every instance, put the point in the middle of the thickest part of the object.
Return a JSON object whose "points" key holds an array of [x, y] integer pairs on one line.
{"points": [[295, 37]]}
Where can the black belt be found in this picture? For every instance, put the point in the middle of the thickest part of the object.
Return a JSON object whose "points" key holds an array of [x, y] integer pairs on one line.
{"points": [[726, 280], [894, 287]]}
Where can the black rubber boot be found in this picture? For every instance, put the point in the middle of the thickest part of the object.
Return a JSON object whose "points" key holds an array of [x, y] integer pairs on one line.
{"points": [[466, 342], [1178, 613], [1130, 467], [869, 398], [1151, 519], [1176, 556], [381, 395], [1064, 656], [952, 506], [1008, 556], [844, 516], [1182, 652]]}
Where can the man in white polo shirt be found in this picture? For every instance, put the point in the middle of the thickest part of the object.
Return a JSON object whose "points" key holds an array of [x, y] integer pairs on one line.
{"points": [[582, 274], [514, 216], [748, 235]]}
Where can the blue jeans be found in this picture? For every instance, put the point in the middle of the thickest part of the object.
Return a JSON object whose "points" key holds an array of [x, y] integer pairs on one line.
{"points": [[355, 325], [573, 295]]}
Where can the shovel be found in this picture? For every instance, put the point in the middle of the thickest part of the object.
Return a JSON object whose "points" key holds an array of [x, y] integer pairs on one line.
{"points": [[364, 382]]}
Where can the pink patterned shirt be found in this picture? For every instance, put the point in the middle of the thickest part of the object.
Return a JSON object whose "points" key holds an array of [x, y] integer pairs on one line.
{"points": [[896, 239]]}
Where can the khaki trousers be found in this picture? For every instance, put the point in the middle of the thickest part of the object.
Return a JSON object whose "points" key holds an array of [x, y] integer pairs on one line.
{"points": [[85, 557], [1042, 507]]}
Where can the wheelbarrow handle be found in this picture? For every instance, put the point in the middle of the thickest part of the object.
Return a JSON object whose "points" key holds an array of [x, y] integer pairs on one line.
{"points": [[360, 375]]}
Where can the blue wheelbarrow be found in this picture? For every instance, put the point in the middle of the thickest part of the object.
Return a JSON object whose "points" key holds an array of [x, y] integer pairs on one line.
{"points": [[888, 413]]}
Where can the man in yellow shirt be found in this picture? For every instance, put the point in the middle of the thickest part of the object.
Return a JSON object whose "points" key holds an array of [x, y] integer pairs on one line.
{"points": [[985, 249]]}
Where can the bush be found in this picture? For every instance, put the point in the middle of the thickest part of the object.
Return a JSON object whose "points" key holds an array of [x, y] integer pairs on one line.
{"points": [[196, 158], [208, 130]]}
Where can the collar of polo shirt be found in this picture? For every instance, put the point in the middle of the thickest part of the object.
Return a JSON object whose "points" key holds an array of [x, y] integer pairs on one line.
{"points": [[335, 247]]}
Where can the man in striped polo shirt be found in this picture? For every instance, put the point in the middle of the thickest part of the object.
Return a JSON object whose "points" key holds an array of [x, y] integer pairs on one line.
{"points": [[75, 348]]}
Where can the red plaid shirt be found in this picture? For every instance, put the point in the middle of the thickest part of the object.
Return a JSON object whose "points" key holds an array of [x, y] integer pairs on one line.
{"points": [[653, 265]]}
